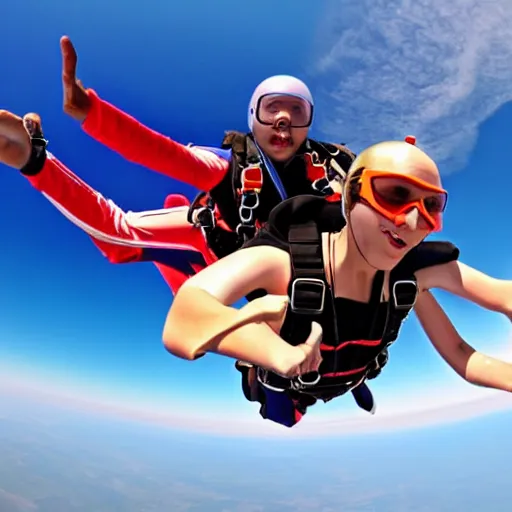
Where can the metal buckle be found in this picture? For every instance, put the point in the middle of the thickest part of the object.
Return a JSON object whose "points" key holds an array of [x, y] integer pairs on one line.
{"points": [[196, 217], [246, 212], [261, 380], [298, 383], [311, 281], [323, 186], [394, 293]]}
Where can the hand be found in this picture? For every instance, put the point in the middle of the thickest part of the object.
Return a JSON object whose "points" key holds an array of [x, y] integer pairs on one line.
{"points": [[304, 358], [76, 101], [15, 143]]}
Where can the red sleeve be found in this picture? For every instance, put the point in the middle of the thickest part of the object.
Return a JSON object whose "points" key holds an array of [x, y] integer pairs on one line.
{"points": [[144, 146]]}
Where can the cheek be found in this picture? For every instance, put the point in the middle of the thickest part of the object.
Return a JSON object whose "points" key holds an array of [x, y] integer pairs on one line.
{"points": [[261, 132], [299, 135], [365, 225], [372, 244]]}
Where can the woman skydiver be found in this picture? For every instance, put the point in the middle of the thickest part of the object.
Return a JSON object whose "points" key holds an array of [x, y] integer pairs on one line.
{"points": [[240, 188], [328, 296]]}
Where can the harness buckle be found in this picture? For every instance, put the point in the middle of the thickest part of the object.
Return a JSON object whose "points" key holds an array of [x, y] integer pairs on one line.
{"points": [[323, 186], [308, 286], [249, 202], [405, 293], [261, 377], [299, 383], [204, 217]]}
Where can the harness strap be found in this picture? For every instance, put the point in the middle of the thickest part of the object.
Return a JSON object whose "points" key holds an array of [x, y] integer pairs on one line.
{"points": [[248, 184], [323, 161], [328, 162], [308, 292], [308, 287]]}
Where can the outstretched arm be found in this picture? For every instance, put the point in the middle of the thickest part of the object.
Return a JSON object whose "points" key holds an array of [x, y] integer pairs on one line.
{"points": [[471, 365], [469, 283], [140, 144], [201, 320], [133, 140]]}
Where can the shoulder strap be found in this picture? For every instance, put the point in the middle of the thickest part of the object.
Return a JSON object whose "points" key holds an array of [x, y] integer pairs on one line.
{"points": [[340, 153], [308, 288], [403, 292], [330, 163]]}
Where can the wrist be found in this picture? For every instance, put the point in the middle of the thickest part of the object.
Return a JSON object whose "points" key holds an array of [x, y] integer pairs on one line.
{"points": [[37, 157], [286, 359]]}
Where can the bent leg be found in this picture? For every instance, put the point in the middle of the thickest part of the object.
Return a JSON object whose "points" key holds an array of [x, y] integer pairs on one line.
{"points": [[184, 251]]}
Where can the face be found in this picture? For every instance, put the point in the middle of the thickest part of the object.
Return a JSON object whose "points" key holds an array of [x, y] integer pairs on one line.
{"points": [[281, 125], [386, 222]]}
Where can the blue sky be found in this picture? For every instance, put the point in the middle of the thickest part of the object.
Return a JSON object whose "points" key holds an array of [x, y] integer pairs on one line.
{"points": [[74, 324]]}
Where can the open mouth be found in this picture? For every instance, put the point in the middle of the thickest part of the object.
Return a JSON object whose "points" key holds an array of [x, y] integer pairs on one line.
{"points": [[282, 141], [394, 239]]}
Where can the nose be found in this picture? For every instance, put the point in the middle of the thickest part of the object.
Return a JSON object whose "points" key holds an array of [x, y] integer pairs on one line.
{"points": [[410, 219], [282, 121]]}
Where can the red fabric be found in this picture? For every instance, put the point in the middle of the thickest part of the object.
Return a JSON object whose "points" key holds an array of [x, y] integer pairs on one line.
{"points": [[139, 144]]}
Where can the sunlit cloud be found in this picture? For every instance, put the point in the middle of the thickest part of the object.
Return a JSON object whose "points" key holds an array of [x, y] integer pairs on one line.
{"points": [[436, 69], [451, 402]]}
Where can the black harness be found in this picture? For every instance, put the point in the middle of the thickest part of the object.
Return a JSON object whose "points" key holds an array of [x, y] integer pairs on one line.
{"points": [[312, 299], [244, 183]]}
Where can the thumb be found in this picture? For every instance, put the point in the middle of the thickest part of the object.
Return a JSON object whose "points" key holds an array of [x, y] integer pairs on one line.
{"points": [[69, 60], [315, 336]]}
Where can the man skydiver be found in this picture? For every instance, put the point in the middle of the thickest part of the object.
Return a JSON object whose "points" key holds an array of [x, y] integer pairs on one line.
{"points": [[240, 182]]}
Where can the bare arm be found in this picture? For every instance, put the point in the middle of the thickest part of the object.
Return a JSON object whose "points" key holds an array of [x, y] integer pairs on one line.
{"points": [[471, 365], [201, 320], [469, 283]]}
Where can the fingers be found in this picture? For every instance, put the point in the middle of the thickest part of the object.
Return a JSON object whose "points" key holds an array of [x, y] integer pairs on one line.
{"points": [[32, 123], [69, 60]]}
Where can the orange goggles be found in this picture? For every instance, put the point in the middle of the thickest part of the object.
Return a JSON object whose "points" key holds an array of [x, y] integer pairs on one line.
{"points": [[394, 195]]}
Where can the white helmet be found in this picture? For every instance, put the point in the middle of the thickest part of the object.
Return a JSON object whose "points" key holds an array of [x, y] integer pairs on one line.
{"points": [[278, 84]]}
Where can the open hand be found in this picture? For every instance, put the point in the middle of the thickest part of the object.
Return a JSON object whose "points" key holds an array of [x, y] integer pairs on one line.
{"points": [[76, 102]]}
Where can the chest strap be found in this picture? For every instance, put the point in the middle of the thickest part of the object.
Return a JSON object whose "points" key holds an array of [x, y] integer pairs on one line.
{"points": [[248, 185], [321, 161]]}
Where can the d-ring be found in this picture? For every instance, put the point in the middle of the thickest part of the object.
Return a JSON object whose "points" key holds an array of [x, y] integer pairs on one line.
{"points": [[309, 383]]}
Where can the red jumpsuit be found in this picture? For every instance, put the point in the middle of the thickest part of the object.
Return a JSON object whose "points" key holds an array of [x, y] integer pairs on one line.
{"points": [[162, 236]]}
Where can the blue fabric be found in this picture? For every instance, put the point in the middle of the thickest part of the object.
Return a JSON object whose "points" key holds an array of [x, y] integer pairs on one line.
{"points": [[273, 174], [178, 259], [279, 408], [226, 154]]}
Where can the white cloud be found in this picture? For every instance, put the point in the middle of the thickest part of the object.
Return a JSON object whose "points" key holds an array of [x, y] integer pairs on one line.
{"points": [[452, 402], [432, 68]]}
